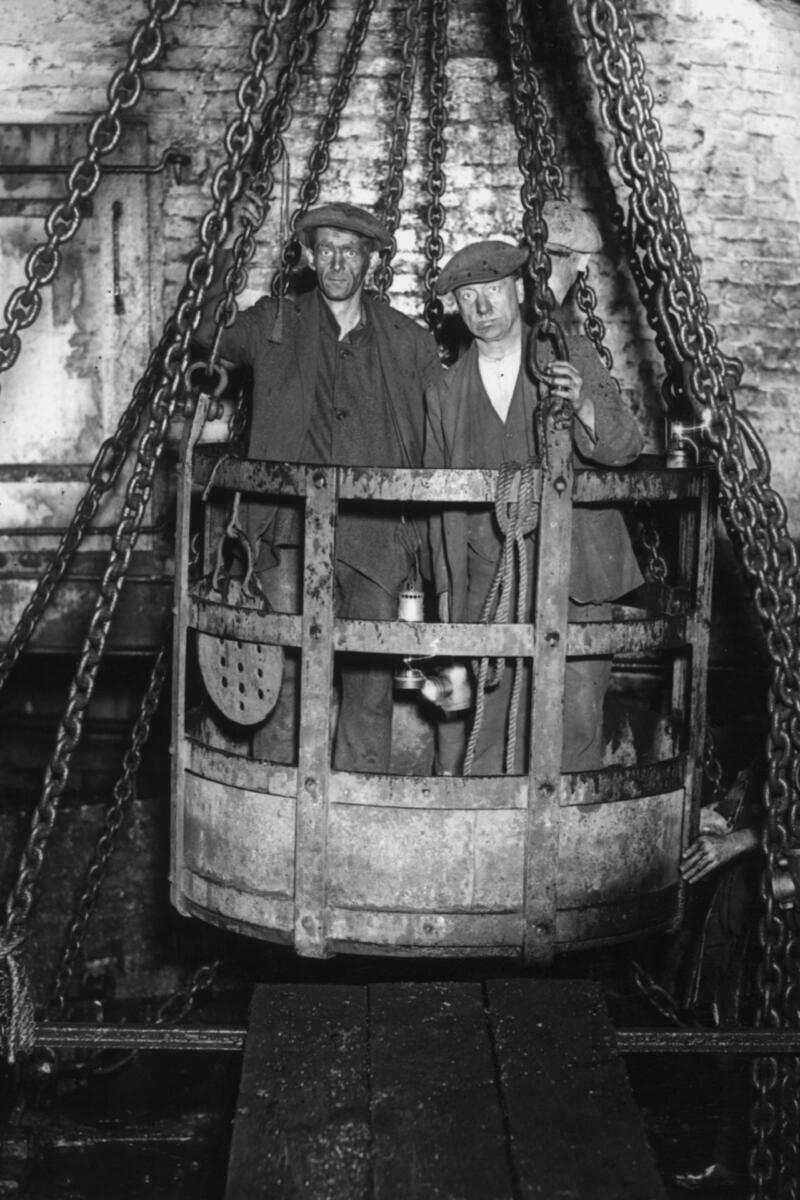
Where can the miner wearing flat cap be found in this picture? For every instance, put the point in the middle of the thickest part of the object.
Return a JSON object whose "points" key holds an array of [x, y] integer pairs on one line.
{"points": [[481, 414], [338, 379]]}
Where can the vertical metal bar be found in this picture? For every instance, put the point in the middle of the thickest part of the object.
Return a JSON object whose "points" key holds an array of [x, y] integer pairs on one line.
{"points": [[314, 755], [696, 549], [183, 550], [547, 705]]}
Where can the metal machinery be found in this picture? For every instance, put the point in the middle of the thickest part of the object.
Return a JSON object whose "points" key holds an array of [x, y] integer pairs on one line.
{"points": [[516, 878], [412, 864]]}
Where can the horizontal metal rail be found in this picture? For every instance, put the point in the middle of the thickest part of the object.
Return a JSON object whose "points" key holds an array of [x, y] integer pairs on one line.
{"points": [[231, 1038], [443, 485]]}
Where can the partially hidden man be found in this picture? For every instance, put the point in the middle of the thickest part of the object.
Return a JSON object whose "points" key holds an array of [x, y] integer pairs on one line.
{"points": [[338, 379], [481, 414]]}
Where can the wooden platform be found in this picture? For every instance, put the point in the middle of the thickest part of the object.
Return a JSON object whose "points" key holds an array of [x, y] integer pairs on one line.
{"points": [[466, 1091]]}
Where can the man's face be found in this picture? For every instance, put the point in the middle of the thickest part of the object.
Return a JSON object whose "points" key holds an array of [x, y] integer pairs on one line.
{"points": [[341, 260], [490, 311]]}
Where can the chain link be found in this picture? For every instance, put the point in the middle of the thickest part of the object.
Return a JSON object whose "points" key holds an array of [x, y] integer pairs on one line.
{"points": [[124, 790], [103, 474], [595, 330], [266, 149], [171, 1011], [655, 566], [541, 175], [64, 219], [435, 180], [175, 364], [392, 191], [327, 132], [754, 513]]}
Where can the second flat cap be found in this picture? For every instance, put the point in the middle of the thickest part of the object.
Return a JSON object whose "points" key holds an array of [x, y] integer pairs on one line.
{"points": [[481, 262], [340, 215], [570, 227]]}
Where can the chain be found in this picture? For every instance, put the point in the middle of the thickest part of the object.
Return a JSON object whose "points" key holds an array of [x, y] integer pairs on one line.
{"points": [[115, 814], [246, 148], [327, 132], [64, 219], [103, 474], [267, 151], [225, 186], [170, 1012], [655, 567], [392, 191], [536, 157], [595, 330], [754, 513], [436, 150]]}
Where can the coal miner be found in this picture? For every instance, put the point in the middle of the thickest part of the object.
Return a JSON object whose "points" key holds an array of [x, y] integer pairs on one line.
{"points": [[338, 379], [481, 414]]}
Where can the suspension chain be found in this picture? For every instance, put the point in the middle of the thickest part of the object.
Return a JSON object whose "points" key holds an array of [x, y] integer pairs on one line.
{"points": [[392, 191], [327, 132], [226, 185], [115, 814], [595, 330], [435, 181], [103, 474], [267, 151], [536, 156], [64, 219], [756, 517], [655, 568], [172, 1010]]}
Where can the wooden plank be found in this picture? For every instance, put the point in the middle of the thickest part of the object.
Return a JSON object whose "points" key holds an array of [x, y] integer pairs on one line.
{"points": [[573, 1125], [421, 1091], [302, 1116], [437, 1127]]}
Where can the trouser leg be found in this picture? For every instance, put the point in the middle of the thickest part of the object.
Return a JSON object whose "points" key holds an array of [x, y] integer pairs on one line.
{"points": [[276, 740], [493, 736], [364, 729], [585, 685]]}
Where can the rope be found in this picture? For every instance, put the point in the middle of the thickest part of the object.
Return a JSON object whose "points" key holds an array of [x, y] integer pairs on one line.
{"points": [[17, 1021], [516, 520]]}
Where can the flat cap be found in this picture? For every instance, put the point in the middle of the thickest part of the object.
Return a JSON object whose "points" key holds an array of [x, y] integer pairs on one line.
{"points": [[481, 262], [570, 228], [340, 215]]}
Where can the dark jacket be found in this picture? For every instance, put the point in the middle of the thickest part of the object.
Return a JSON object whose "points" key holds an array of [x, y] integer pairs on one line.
{"points": [[603, 566], [284, 383], [285, 371]]}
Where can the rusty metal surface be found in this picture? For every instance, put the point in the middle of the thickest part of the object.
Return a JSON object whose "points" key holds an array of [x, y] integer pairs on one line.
{"points": [[314, 759], [542, 829], [242, 624], [451, 485], [626, 637], [238, 771], [634, 484], [435, 866], [623, 783]]}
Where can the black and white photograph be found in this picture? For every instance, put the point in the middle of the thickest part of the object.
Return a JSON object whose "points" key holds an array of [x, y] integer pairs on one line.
{"points": [[399, 599]]}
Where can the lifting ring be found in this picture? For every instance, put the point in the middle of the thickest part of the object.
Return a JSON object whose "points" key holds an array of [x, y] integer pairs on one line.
{"points": [[545, 330]]}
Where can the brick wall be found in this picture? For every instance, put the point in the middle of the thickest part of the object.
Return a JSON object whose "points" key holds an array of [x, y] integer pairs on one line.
{"points": [[726, 78]]}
